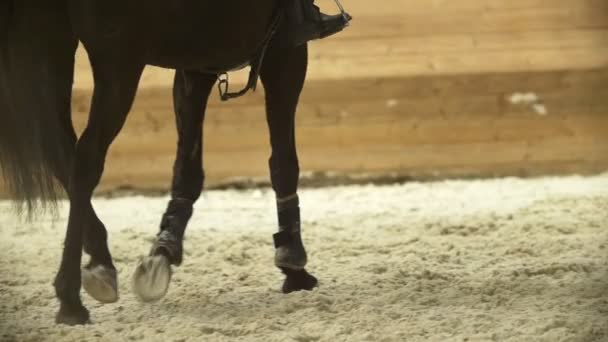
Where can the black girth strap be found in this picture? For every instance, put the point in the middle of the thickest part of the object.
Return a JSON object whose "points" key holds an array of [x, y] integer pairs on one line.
{"points": [[255, 62]]}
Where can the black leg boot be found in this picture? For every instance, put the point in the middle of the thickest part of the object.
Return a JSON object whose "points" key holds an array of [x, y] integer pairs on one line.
{"points": [[290, 252], [169, 241], [290, 255], [305, 22]]}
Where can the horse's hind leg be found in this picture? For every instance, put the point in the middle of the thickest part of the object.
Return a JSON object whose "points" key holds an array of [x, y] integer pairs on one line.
{"points": [[99, 276], [115, 87], [190, 93], [283, 75], [49, 59]]}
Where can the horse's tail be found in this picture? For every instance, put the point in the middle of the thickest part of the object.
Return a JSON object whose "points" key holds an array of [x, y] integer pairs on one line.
{"points": [[36, 55]]}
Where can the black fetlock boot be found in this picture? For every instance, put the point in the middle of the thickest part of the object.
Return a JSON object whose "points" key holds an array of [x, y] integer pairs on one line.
{"points": [[290, 255], [290, 252], [305, 22], [169, 241]]}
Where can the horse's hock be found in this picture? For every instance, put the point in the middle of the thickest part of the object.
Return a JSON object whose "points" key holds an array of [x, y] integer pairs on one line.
{"points": [[412, 88]]}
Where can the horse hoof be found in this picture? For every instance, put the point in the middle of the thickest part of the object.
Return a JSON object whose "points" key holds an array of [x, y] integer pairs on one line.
{"points": [[100, 283], [152, 277], [298, 280], [72, 316]]}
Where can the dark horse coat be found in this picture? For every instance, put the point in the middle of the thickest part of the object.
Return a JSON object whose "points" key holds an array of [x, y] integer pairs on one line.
{"points": [[38, 145]]}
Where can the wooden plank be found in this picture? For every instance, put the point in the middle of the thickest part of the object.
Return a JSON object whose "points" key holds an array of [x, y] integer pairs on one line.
{"points": [[425, 96], [474, 61], [446, 43], [476, 20], [447, 125], [395, 7], [419, 161]]}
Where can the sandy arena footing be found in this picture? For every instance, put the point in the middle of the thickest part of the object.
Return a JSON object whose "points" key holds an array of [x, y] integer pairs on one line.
{"points": [[493, 260]]}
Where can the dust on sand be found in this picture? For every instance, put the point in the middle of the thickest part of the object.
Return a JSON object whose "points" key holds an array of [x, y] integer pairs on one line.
{"points": [[495, 260]]}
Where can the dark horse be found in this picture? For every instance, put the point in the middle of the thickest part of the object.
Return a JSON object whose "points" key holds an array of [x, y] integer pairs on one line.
{"points": [[38, 144]]}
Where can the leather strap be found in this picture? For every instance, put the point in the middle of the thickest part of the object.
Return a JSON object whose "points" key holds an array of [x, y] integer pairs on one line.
{"points": [[256, 64]]}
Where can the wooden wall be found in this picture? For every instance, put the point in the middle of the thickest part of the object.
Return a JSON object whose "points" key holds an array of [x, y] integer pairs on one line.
{"points": [[417, 89]]}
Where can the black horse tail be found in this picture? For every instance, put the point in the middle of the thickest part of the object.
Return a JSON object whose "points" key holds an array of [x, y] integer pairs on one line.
{"points": [[37, 51]]}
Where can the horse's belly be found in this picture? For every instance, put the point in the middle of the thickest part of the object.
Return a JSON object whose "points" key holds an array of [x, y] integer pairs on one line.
{"points": [[211, 54], [203, 35], [215, 36]]}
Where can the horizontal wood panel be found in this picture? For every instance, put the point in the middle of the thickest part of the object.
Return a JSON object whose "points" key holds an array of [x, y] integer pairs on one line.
{"points": [[450, 125], [546, 51], [420, 161], [432, 23], [398, 7]]}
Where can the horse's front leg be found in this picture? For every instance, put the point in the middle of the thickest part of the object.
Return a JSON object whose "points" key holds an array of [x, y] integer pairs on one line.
{"points": [[153, 274], [283, 75]]}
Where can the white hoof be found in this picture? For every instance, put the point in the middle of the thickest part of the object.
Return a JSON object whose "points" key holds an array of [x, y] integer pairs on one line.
{"points": [[100, 283], [151, 278]]}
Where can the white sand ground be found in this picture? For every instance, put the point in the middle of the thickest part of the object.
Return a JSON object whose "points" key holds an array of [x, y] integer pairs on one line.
{"points": [[497, 260]]}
